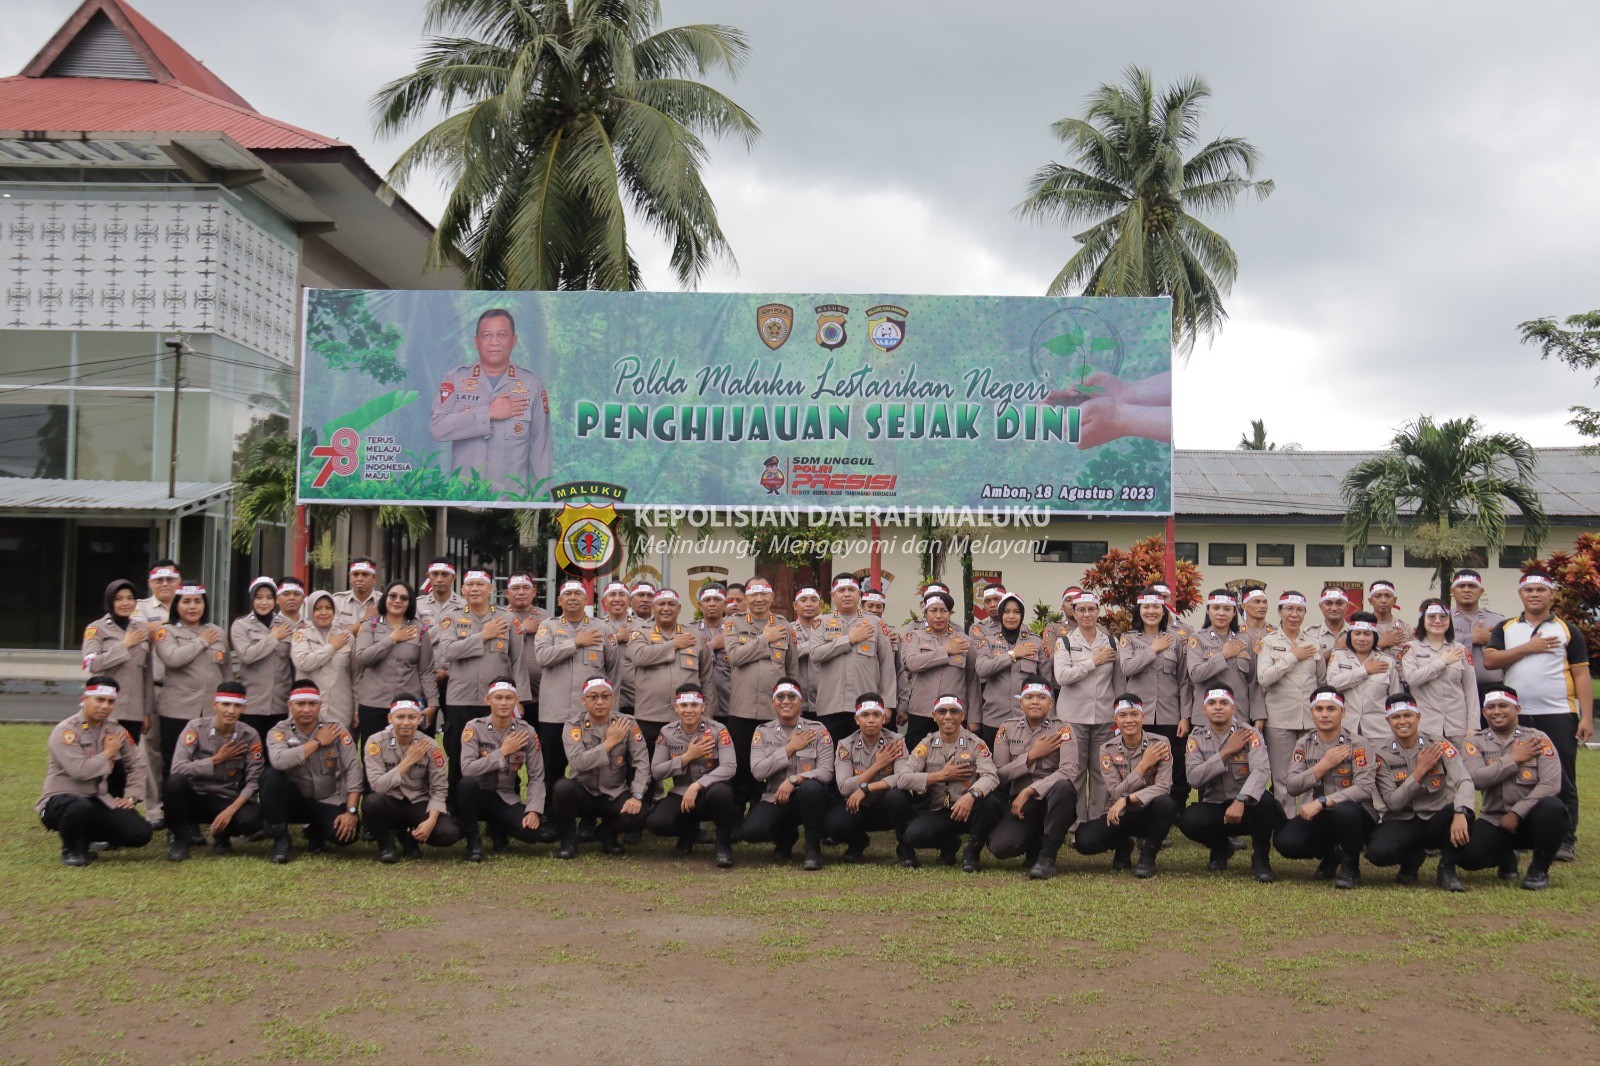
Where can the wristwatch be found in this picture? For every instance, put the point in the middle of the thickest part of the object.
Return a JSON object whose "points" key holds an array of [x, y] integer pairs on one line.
{"points": [[350, 810], [638, 795]]}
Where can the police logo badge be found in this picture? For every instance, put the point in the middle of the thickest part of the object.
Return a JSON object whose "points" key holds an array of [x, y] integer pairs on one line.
{"points": [[584, 538], [774, 323], [831, 332], [772, 475], [886, 327]]}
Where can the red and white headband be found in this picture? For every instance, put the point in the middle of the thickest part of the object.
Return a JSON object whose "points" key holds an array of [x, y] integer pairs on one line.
{"points": [[304, 693], [868, 706], [845, 581], [666, 596], [785, 689], [477, 575], [756, 585], [805, 590], [1334, 596], [1291, 599], [1436, 608], [290, 583], [1220, 598], [945, 703], [107, 691], [1123, 705], [1332, 697], [1220, 694], [1362, 627], [1251, 594], [1381, 586], [711, 592], [1086, 597], [368, 568], [404, 705], [260, 582], [1070, 594], [683, 698], [164, 572], [933, 598], [643, 586], [1467, 579], [228, 697], [440, 568], [873, 597], [573, 586], [1035, 687], [615, 586], [1538, 581], [597, 684], [1398, 708], [519, 581], [500, 686], [1150, 598], [191, 590], [1501, 696]]}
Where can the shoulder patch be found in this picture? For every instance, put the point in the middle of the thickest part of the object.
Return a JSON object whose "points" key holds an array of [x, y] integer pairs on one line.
{"points": [[300, 636], [1471, 748], [161, 634], [1299, 755], [1000, 734], [1194, 642], [542, 630], [467, 734], [373, 747], [842, 755], [277, 734], [921, 751], [438, 757], [725, 738], [88, 634], [69, 737], [756, 737], [983, 749], [1255, 741], [1549, 750], [1194, 745], [255, 752], [1105, 762], [1361, 754], [347, 739], [190, 737], [576, 734], [1066, 733], [1449, 750]]}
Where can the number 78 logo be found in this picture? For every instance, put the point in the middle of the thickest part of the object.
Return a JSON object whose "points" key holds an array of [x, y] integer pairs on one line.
{"points": [[341, 456]]}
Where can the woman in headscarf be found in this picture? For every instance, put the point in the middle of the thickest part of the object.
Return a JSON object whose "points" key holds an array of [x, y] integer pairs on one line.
{"points": [[1152, 656], [321, 651], [1008, 657], [393, 655], [260, 642], [118, 645], [194, 653]]}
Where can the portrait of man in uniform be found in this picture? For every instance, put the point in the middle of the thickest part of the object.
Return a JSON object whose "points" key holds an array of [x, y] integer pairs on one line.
{"points": [[494, 413]]}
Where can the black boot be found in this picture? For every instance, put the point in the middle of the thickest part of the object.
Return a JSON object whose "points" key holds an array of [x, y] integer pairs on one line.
{"points": [[387, 853], [410, 848], [907, 856], [813, 856], [1327, 867], [969, 857], [1408, 872], [315, 845], [569, 843], [724, 848], [685, 844], [947, 854], [1044, 867], [610, 845], [1537, 878], [1508, 867], [177, 845], [783, 847], [75, 852], [280, 843], [1446, 877], [1219, 858], [1349, 875], [1122, 858], [854, 849], [1147, 859], [502, 843], [222, 846], [632, 837], [474, 847], [1261, 866]]}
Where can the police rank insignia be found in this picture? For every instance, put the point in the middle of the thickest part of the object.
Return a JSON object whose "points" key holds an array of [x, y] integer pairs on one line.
{"points": [[831, 332], [774, 323], [886, 327]]}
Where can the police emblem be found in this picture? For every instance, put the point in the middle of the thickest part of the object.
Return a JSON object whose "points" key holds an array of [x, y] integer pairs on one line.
{"points": [[831, 333], [584, 539], [886, 327], [774, 323]]}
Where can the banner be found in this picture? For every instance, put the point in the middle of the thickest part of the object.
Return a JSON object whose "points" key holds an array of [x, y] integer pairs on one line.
{"points": [[732, 400]]}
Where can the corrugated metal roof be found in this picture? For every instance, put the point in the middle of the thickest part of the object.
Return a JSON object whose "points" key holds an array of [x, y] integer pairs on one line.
{"points": [[106, 105], [1307, 483], [66, 495]]}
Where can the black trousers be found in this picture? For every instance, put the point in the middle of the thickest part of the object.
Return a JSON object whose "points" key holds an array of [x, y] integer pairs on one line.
{"points": [[1203, 824], [1402, 841], [839, 724], [986, 733], [745, 787], [716, 804], [83, 819], [1180, 771], [282, 805], [888, 812], [117, 783], [553, 751], [455, 720], [476, 804], [1345, 826], [170, 732], [262, 723], [917, 727], [571, 801], [1044, 823], [370, 720], [392, 816], [187, 808], [781, 823], [1541, 832], [651, 731], [1147, 823], [1563, 732], [936, 829]]}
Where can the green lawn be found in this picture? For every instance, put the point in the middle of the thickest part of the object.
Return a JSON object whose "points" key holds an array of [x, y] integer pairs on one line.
{"points": [[337, 958]]}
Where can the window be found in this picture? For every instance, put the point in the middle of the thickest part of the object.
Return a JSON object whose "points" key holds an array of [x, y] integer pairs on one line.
{"points": [[1373, 555], [1274, 554], [1225, 555], [1187, 551], [1512, 558], [1324, 554], [1071, 551]]}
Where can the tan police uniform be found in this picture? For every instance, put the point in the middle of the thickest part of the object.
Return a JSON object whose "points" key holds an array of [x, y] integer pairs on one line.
{"points": [[1286, 687], [1530, 790], [932, 826], [431, 611], [474, 661], [809, 770], [530, 621], [76, 800], [1364, 693], [659, 668], [1000, 674], [347, 610], [1417, 809], [844, 670], [1243, 776], [721, 668], [200, 787], [1345, 794], [313, 655], [1446, 694], [1053, 808], [1150, 810], [714, 774], [928, 670], [1206, 665], [385, 670], [489, 790], [511, 453], [105, 653], [1084, 701], [262, 661], [398, 800]]}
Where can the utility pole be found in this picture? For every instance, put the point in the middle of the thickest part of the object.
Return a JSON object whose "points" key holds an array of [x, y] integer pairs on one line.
{"points": [[178, 346]]}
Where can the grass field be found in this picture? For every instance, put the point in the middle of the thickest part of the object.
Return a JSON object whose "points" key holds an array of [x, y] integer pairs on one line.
{"points": [[655, 957]]}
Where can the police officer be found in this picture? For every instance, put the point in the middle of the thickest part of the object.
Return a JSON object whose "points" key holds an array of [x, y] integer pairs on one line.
{"points": [[933, 660], [118, 645], [1364, 676], [1087, 676], [155, 610], [1228, 766], [849, 655], [1153, 664], [1474, 624], [76, 801], [260, 641], [495, 414], [570, 648], [713, 611], [1289, 667], [988, 626], [809, 634], [476, 646], [1392, 631], [1135, 769], [610, 773], [761, 649], [439, 598], [1518, 771], [666, 655], [194, 657], [1253, 624], [320, 649], [1029, 751], [1004, 664], [696, 754], [360, 601], [1427, 798], [393, 655], [1437, 669], [312, 776], [1218, 655], [493, 748], [408, 789], [1330, 632], [1333, 769], [216, 772], [866, 771], [1055, 630], [955, 774], [793, 756], [519, 601], [616, 614]]}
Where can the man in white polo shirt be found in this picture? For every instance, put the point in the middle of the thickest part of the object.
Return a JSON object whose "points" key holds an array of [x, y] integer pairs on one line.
{"points": [[1547, 663]]}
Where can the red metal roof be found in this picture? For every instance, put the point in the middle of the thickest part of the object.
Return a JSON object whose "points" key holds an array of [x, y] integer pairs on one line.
{"points": [[105, 105]]}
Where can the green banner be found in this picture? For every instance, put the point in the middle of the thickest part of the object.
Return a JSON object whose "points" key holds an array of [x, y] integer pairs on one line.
{"points": [[737, 400]]}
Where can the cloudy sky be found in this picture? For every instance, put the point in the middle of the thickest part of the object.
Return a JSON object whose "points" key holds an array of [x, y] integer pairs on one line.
{"points": [[1436, 170]]}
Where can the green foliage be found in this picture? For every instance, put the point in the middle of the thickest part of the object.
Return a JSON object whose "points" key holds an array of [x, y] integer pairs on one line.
{"points": [[1443, 477], [1131, 184], [1577, 345], [343, 330], [562, 119], [1257, 440], [1043, 614]]}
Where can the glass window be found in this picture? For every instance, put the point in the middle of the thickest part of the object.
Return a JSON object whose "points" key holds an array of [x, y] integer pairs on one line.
{"points": [[1324, 554], [1071, 551], [36, 356], [32, 551], [1225, 554], [1274, 554], [1512, 557], [115, 437], [33, 439], [1380, 555], [1187, 551]]}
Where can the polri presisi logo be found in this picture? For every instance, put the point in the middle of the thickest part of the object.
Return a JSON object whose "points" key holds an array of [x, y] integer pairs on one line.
{"points": [[772, 476], [831, 333], [886, 327], [774, 323]]}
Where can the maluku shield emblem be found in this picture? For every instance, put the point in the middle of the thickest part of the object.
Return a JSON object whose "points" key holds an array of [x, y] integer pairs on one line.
{"points": [[585, 539], [774, 323]]}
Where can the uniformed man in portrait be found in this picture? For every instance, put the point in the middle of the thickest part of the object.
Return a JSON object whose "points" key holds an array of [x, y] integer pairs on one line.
{"points": [[76, 801], [495, 414]]}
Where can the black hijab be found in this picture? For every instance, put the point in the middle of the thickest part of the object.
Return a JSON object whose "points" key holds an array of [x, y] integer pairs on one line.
{"points": [[111, 600]]}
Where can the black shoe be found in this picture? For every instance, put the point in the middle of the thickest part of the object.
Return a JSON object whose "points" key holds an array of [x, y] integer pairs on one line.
{"points": [[1537, 880], [386, 851], [907, 856], [256, 837], [586, 831], [813, 859], [545, 834], [1328, 867], [724, 849], [632, 838], [970, 857], [280, 848], [366, 835], [1508, 867], [1122, 859], [1567, 852], [410, 849], [684, 846], [1219, 859], [1406, 876], [569, 845], [475, 850], [1044, 867], [314, 842], [502, 843], [1446, 877], [852, 855], [157, 824], [222, 846], [1147, 861], [610, 845], [75, 856], [177, 847], [197, 838], [1349, 876], [947, 854], [1261, 866]]}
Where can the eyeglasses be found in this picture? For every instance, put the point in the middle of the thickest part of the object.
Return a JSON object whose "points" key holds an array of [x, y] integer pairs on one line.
{"points": [[398, 596], [952, 712], [787, 696]]}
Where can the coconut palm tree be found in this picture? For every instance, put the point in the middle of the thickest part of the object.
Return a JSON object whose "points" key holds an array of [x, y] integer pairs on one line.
{"points": [[563, 117], [1256, 440], [1131, 184], [1451, 484]]}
